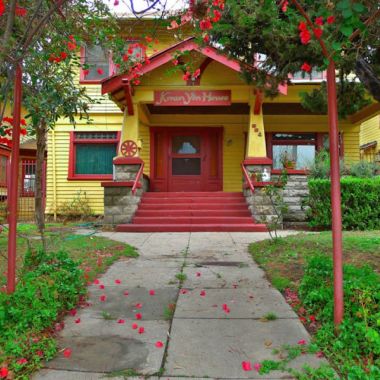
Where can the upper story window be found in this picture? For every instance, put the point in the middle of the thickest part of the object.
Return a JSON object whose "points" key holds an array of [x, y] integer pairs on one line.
{"points": [[3, 170], [98, 64]]}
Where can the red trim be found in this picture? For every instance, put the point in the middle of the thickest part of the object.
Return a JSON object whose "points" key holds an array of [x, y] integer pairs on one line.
{"points": [[112, 84], [258, 103], [258, 161], [127, 161], [291, 171], [120, 184], [72, 157]]}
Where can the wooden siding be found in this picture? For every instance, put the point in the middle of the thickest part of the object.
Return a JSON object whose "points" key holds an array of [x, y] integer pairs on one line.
{"points": [[64, 189], [369, 132]]}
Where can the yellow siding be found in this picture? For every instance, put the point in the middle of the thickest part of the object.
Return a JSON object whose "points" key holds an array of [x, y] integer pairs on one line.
{"points": [[369, 132], [64, 189]]}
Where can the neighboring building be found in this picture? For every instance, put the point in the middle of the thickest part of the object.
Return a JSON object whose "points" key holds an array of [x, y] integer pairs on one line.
{"points": [[370, 139], [190, 136]]}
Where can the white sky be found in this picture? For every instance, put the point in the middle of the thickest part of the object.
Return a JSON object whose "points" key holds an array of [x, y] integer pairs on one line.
{"points": [[124, 8]]}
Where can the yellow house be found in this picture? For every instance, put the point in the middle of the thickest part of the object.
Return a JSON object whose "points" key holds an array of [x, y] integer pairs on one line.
{"points": [[370, 139], [199, 143]]}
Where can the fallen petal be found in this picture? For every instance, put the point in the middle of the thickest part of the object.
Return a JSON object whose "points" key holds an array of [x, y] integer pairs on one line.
{"points": [[257, 366], [246, 366], [152, 292], [202, 293], [302, 342], [141, 330], [67, 353], [77, 320], [126, 293], [138, 316], [96, 282], [199, 274], [73, 312], [103, 298], [135, 326], [118, 281], [121, 321], [159, 344], [101, 286], [138, 306]]}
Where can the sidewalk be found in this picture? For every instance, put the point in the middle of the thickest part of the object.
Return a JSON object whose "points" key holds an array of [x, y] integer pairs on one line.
{"points": [[217, 323]]}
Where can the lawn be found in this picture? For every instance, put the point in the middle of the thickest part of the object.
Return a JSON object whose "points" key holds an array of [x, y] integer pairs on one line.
{"points": [[284, 261], [301, 267], [94, 253]]}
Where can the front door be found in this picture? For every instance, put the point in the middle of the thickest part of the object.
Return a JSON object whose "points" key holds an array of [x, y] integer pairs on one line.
{"points": [[192, 161]]}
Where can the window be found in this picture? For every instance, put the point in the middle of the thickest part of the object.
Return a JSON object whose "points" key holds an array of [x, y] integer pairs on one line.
{"points": [[28, 177], [296, 150], [91, 154], [98, 64], [3, 171]]}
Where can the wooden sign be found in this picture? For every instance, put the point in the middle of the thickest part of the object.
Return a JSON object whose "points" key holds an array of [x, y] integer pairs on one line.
{"points": [[192, 98]]}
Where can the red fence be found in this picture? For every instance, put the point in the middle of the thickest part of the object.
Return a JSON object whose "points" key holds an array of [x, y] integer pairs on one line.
{"points": [[26, 189]]}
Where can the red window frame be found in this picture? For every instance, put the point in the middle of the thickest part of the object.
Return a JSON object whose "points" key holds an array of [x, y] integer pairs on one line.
{"points": [[72, 156], [111, 65], [5, 154], [318, 143]]}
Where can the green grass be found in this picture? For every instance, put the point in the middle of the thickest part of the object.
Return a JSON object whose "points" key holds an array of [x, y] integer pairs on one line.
{"points": [[181, 277], [95, 253], [284, 260], [270, 316]]}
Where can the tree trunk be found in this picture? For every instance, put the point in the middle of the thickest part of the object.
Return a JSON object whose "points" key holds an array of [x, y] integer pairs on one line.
{"points": [[39, 190], [368, 77]]}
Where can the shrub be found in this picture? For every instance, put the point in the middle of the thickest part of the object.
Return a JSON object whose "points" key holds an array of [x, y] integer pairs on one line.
{"points": [[77, 208], [360, 203], [359, 334], [50, 284], [320, 167], [364, 169]]}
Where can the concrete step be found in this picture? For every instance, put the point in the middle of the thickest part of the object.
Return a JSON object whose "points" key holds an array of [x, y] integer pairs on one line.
{"points": [[251, 227]]}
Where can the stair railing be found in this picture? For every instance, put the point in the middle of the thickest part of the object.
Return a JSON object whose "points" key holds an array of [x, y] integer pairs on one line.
{"points": [[137, 179], [247, 178]]}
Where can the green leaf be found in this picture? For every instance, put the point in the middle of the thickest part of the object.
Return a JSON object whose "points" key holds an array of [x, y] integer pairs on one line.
{"points": [[346, 30], [343, 4], [358, 7], [347, 13], [336, 45]]}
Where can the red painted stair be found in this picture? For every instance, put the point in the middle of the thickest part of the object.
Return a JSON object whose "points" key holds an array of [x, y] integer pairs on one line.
{"points": [[192, 212]]}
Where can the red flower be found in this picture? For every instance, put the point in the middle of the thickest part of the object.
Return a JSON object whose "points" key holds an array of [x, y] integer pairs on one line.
{"points": [[63, 55], [246, 366], [217, 16], [319, 21], [319, 354], [20, 11], [302, 26], [71, 46], [40, 353], [71, 38], [175, 62], [318, 32], [141, 330], [2, 10], [23, 122], [330, 19], [138, 316], [257, 366], [103, 298], [206, 38], [23, 131], [125, 57], [148, 39], [306, 67], [3, 370], [152, 292], [116, 3], [7, 119], [285, 6], [301, 342], [22, 361], [186, 76], [302, 319], [67, 353], [73, 312], [312, 318], [86, 72], [205, 24], [100, 71], [305, 37], [135, 326], [159, 344]]}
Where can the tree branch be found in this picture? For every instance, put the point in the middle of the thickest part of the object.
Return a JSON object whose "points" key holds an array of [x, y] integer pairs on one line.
{"points": [[10, 23]]}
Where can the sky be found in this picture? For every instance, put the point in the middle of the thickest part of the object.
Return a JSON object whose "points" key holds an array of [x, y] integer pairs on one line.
{"points": [[124, 7]]}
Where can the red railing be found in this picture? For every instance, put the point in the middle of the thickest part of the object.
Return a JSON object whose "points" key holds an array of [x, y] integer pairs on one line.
{"points": [[137, 179], [247, 178]]}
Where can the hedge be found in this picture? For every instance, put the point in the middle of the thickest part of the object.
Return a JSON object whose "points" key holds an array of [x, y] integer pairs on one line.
{"points": [[360, 203]]}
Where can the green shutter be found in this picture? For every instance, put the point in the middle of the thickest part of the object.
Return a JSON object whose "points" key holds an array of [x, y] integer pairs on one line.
{"points": [[94, 158]]}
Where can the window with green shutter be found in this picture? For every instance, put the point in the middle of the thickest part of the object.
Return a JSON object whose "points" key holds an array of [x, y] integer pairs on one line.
{"points": [[93, 154]]}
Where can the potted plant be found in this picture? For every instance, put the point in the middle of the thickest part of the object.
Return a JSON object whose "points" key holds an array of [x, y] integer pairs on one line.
{"points": [[287, 161], [256, 177]]}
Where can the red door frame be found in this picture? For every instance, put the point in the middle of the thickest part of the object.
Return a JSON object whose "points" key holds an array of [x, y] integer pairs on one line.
{"points": [[163, 184]]}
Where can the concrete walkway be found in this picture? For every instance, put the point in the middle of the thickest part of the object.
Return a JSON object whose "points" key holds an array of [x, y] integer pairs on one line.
{"points": [[217, 322]]}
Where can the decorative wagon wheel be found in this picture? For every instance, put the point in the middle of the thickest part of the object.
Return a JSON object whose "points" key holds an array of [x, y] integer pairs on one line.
{"points": [[128, 148]]}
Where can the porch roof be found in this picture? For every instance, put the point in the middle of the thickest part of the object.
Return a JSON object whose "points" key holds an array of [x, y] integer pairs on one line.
{"points": [[120, 86]]}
